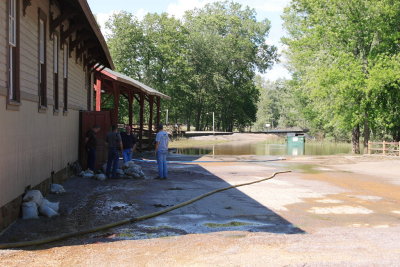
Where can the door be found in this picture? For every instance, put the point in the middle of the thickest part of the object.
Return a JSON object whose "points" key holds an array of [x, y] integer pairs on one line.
{"points": [[87, 120]]}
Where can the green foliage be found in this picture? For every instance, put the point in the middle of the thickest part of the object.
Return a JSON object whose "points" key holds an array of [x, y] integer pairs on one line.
{"points": [[206, 62], [342, 53]]}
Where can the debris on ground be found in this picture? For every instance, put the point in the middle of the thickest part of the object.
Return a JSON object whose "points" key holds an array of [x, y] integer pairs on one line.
{"points": [[57, 189]]}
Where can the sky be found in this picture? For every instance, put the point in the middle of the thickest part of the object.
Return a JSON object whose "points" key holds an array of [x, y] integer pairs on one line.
{"points": [[270, 9]]}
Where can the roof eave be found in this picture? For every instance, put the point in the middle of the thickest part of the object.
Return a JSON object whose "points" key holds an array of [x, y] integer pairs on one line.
{"points": [[95, 27]]}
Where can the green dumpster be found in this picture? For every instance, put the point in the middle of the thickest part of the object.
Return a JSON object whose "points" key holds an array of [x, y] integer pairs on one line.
{"points": [[296, 145]]}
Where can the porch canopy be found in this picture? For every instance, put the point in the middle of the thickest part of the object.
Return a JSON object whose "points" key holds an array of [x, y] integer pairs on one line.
{"points": [[116, 84]]}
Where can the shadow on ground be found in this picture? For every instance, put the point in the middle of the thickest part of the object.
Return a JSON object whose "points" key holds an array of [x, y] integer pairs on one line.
{"points": [[90, 203]]}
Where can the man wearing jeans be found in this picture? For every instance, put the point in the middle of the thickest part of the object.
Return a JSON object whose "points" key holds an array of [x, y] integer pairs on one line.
{"points": [[161, 152], [114, 144], [129, 144]]}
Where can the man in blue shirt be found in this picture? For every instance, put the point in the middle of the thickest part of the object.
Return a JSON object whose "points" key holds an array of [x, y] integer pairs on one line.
{"points": [[161, 152]]}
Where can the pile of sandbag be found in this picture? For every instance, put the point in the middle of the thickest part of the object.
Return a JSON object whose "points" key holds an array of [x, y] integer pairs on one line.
{"points": [[34, 204], [132, 170], [129, 170]]}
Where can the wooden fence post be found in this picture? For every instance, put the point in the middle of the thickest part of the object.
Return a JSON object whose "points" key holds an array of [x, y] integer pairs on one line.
{"points": [[384, 148], [369, 148]]}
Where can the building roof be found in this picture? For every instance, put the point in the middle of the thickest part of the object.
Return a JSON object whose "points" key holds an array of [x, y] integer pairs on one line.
{"points": [[128, 80], [96, 30]]}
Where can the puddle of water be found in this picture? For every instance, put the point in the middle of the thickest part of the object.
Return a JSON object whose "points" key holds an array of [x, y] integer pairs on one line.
{"points": [[230, 224], [268, 149]]}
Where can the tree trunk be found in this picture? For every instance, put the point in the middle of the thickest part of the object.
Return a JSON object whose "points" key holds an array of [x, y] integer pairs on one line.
{"points": [[355, 139], [366, 133]]}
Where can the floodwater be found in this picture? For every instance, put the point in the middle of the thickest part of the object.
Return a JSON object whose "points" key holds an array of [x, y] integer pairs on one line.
{"points": [[268, 149]]}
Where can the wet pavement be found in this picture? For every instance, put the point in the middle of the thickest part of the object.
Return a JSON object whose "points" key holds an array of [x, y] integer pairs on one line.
{"points": [[317, 212]]}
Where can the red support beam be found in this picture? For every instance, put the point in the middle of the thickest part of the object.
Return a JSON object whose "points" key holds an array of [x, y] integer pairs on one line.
{"points": [[97, 88], [158, 115], [141, 119], [116, 94], [151, 101], [130, 101]]}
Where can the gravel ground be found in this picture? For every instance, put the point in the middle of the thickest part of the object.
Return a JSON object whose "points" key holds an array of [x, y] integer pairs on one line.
{"points": [[318, 215]]}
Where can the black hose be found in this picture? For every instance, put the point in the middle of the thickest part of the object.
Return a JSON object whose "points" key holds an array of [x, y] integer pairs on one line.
{"points": [[131, 220]]}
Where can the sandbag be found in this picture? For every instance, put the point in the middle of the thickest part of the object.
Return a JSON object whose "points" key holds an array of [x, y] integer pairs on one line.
{"points": [[29, 210], [120, 172], [47, 211], [88, 174], [34, 196], [101, 177], [135, 172], [53, 205], [128, 165], [57, 189]]}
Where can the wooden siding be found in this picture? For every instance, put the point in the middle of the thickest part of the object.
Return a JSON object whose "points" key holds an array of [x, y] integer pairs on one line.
{"points": [[36, 144]]}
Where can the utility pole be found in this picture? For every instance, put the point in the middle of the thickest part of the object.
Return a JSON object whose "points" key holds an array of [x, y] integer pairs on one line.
{"points": [[166, 118]]}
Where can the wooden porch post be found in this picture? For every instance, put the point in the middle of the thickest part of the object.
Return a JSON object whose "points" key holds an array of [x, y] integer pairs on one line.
{"points": [[141, 99], [158, 115], [98, 94], [130, 100], [151, 101], [116, 102]]}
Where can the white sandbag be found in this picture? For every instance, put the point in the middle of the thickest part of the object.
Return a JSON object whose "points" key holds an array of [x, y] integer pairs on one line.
{"points": [[128, 165], [88, 174], [135, 172], [35, 196], [47, 211], [29, 210], [101, 177], [57, 189], [53, 205], [82, 173]]}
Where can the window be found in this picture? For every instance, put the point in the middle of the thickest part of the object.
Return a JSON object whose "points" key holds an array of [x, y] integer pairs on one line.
{"points": [[42, 61], [55, 70], [65, 76], [13, 51]]}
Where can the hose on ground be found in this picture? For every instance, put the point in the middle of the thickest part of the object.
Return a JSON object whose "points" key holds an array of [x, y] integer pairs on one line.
{"points": [[131, 220]]}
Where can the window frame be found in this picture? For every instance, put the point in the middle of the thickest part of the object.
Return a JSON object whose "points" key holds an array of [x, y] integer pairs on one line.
{"points": [[13, 49], [42, 62], [56, 71], [65, 75]]}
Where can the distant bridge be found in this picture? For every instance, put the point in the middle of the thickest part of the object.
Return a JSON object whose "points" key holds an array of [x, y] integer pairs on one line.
{"points": [[294, 130]]}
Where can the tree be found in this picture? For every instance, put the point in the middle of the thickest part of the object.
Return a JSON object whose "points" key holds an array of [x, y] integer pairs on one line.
{"points": [[332, 46], [206, 62]]}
